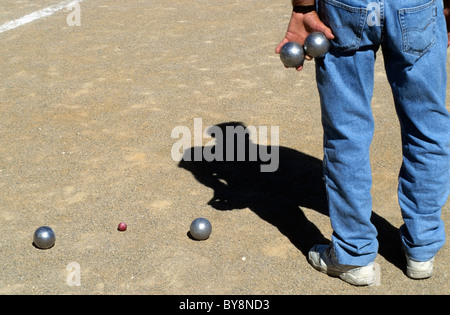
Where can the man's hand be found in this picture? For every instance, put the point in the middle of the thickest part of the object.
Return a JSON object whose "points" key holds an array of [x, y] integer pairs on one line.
{"points": [[300, 26]]}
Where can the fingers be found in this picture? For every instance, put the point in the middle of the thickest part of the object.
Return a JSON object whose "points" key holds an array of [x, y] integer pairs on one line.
{"points": [[280, 45]]}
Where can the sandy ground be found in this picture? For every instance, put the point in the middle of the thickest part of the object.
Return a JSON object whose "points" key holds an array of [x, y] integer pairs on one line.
{"points": [[86, 117]]}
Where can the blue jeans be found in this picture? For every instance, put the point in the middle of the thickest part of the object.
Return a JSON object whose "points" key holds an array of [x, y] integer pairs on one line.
{"points": [[413, 37]]}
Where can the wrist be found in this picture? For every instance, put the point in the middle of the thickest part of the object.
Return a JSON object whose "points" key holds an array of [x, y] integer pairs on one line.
{"points": [[304, 9], [303, 3], [304, 6]]}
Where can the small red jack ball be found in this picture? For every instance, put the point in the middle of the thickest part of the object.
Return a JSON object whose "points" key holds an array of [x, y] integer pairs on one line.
{"points": [[122, 226]]}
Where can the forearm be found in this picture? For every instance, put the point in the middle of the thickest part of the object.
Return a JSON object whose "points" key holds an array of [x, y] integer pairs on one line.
{"points": [[304, 3]]}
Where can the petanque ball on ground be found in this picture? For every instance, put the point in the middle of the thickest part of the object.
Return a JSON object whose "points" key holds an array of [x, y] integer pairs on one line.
{"points": [[44, 237], [200, 229]]}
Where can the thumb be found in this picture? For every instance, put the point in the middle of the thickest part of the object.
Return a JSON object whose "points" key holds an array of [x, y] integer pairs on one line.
{"points": [[325, 30], [315, 24], [328, 33]]}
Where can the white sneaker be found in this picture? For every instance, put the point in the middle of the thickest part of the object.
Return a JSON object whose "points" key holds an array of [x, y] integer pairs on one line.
{"points": [[323, 259], [419, 269]]}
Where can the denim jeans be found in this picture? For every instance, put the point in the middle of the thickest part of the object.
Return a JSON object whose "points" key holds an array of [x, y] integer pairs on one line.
{"points": [[413, 37]]}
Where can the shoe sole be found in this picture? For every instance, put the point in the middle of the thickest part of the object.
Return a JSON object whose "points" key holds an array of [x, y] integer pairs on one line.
{"points": [[366, 278], [418, 274]]}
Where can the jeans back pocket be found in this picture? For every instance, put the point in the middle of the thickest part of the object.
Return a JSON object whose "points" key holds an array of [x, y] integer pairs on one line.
{"points": [[418, 26], [345, 21]]}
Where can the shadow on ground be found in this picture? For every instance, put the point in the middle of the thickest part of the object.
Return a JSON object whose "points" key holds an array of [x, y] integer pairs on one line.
{"points": [[276, 197]]}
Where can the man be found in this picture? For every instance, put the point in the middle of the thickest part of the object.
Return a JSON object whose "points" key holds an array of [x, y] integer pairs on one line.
{"points": [[413, 37]]}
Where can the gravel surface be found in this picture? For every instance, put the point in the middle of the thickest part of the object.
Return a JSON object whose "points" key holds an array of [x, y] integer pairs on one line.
{"points": [[86, 120]]}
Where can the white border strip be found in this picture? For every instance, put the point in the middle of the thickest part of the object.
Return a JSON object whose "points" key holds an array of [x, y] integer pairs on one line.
{"points": [[37, 15]]}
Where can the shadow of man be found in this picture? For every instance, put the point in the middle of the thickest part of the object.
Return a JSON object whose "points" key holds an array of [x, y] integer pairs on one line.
{"points": [[276, 196], [236, 177]]}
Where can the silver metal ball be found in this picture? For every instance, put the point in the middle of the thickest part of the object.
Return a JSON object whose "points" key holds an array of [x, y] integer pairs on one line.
{"points": [[44, 237], [200, 229], [292, 55], [316, 45]]}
